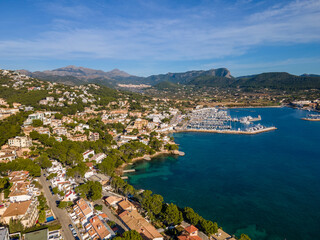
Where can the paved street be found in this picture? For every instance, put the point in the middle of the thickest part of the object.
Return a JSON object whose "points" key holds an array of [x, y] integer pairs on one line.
{"points": [[111, 216], [61, 214]]}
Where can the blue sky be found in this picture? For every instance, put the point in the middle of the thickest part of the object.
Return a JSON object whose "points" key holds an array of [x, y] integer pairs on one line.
{"points": [[150, 37]]}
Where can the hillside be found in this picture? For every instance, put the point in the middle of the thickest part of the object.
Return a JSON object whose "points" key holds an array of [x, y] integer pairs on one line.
{"points": [[219, 78], [278, 80], [188, 77], [73, 75]]}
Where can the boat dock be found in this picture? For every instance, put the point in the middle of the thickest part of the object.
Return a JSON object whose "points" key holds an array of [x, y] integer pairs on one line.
{"points": [[311, 119], [128, 170], [252, 132]]}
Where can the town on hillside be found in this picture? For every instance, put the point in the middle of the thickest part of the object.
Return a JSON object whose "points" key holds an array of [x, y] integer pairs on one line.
{"points": [[64, 150]]}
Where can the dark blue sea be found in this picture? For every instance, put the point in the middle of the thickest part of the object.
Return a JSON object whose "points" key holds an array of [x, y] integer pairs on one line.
{"points": [[265, 185]]}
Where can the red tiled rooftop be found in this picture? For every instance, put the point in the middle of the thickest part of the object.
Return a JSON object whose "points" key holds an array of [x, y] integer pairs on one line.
{"points": [[191, 229]]}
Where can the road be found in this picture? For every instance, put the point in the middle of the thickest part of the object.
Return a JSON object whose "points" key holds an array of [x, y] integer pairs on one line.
{"points": [[111, 216], [61, 214]]}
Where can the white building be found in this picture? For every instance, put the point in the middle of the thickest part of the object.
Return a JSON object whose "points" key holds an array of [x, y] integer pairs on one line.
{"points": [[87, 154], [21, 142], [98, 157]]}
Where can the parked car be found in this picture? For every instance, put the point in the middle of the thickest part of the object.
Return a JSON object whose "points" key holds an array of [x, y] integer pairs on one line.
{"points": [[71, 227], [74, 233]]}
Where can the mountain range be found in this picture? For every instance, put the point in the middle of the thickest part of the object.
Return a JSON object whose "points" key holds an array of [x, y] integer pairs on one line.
{"points": [[220, 77]]}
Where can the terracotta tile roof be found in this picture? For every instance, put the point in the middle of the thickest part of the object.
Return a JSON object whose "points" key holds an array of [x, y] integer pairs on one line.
{"points": [[18, 176], [126, 205], [99, 227], [191, 229], [19, 188], [136, 222], [84, 207], [16, 209], [113, 200], [103, 215], [89, 164]]}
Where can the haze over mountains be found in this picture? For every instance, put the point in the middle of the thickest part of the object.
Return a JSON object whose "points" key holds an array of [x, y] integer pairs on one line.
{"points": [[220, 77]]}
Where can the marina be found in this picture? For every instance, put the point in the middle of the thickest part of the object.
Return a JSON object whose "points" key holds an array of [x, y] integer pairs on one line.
{"points": [[219, 121], [312, 117]]}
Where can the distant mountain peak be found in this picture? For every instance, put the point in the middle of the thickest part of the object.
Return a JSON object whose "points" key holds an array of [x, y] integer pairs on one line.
{"points": [[118, 73]]}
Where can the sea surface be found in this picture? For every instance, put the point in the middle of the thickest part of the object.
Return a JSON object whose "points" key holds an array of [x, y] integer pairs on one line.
{"points": [[265, 185]]}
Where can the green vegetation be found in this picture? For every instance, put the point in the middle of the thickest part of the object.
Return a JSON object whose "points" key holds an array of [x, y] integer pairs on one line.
{"points": [[15, 226], [90, 190], [37, 123], [64, 204], [11, 126], [172, 215], [51, 176], [43, 161], [77, 171], [58, 116], [130, 235], [42, 216], [244, 237], [152, 203], [4, 183], [98, 207], [55, 190], [21, 164], [171, 147]]}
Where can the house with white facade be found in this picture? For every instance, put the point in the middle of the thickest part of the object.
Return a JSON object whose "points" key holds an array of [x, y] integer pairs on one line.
{"points": [[87, 154], [21, 142]]}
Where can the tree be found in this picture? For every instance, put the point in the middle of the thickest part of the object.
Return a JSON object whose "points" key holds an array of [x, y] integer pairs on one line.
{"points": [[43, 161], [98, 207], [74, 157], [37, 123], [77, 171], [42, 202], [172, 215], [52, 175], [64, 204], [130, 235], [15, 226], [128, 189], [90, 190], [4, 183], [153, 134], [208, 227], [155, 143], [11, 126], [55, 190], [42, 216], [135, 131], [22, 164], [151, 202], [107, 165], [171, 147], [191, 216], [58, 116], [244, 237]]}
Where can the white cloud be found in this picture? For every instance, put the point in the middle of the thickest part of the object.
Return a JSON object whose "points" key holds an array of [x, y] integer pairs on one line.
{"points": [[188, 37]]}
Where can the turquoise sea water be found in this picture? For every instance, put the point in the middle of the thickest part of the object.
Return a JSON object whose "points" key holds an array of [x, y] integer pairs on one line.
{"points": [[265, 185]]}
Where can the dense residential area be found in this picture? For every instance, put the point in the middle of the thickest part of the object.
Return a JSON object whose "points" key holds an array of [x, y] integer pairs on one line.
{"points": [[63, 153]]}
